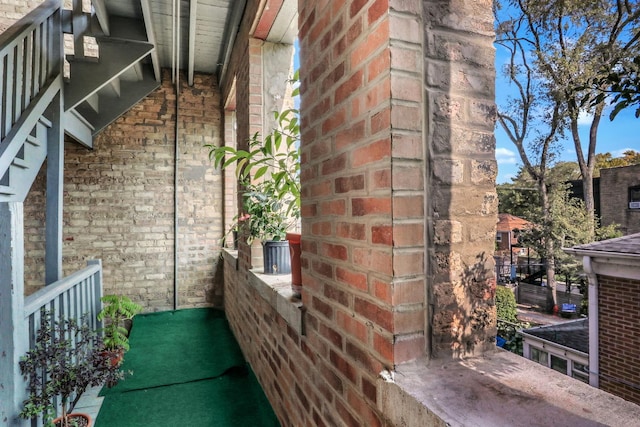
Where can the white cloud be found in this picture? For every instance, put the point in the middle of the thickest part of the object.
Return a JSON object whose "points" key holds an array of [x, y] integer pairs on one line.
{"points": [[504, 156], [585, 118], [620, 152]]}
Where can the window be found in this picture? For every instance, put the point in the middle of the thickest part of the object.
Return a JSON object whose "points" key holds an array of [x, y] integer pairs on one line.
{"points": [[542, 357], [498, 237], [634, 197], [559, 364], [580, 372]]}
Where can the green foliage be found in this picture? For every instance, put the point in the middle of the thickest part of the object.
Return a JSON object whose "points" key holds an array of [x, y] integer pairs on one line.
{"points": [[606, 160], [269, 171], [566, 223], [117, 309], [265, 217], [510, 331], [506, 305], [563, 60], [508, 323], [274, 159], [522, 202], [66, 359], [583, 287], [620, 87]]}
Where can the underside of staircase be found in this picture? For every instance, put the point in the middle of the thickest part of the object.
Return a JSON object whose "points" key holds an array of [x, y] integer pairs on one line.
{"points": [[111, 66]]}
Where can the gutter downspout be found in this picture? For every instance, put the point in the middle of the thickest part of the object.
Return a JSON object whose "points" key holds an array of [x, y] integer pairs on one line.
{"points": [[594, 348], [176, 79]]}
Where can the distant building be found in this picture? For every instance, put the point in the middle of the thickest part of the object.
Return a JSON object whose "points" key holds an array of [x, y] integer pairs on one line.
{"points": [[616, 196], [577, 190], [563, 347], [507, 231], [620, 198], [613, 269], [508, 249]]}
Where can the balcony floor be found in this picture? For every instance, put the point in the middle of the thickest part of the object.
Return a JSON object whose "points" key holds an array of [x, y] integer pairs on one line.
{"points": [[187, 369]]}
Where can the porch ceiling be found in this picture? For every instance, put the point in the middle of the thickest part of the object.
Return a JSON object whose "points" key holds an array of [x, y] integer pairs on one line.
{"points": [[207, 27], [138, 38], [204, 20]]}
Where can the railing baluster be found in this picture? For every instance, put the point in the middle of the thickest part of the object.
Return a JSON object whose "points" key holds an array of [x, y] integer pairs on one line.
{"points": [[28, 70], [43, 52], [95, 298], [4, 78], [19, 79], [37, 59], [83, 297], [10, 81], [50, 47]]}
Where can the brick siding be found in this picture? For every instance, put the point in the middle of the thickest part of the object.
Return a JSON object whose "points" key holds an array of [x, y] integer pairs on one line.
{"points": [[366, 222], [398, 205], [462, 203], [13, 10], [619, 336], [614, 198], [118, 202]]}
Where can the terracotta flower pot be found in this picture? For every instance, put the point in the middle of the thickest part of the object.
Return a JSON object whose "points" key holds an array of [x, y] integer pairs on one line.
{"points": [[115, 356], [295, 252], [81, 420]]}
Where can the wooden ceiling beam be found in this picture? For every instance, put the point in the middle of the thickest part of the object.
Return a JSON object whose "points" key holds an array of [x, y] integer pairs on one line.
{"points": [[193, 8]]}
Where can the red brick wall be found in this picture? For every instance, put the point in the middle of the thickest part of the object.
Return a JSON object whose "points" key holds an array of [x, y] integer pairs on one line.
{"points": [[245, 68], [374, 247], [328, 376], [619, 336], [118, 202]]}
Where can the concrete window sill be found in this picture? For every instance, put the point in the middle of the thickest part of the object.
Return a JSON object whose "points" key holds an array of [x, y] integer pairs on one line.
{"points": [[500, 389], [275, 289]]}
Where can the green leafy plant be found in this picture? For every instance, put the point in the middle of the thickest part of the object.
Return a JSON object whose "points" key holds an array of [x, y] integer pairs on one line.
{"points": [[265, 217], [117, 309], [509, 326], [506, 305], [67, 358], [269, 171]]}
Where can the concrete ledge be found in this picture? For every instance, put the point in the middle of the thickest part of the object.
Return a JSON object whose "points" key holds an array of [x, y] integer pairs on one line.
{"points": [[275, 289], [501, 389]]}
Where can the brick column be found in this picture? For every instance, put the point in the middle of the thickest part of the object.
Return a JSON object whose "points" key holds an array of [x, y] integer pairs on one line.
{"points": [[462, 203], [399, 205]]}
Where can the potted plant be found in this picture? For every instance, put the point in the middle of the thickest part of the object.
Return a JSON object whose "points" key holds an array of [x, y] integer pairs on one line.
{"points": [[266, 220], [269, 171], [118, 310], [67, 358]]}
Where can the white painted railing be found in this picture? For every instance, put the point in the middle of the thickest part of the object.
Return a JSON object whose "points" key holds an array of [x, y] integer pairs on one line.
{"points": [[72, 297]]}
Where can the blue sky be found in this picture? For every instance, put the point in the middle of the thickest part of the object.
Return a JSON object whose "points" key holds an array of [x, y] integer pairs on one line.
{"points": [[614, 137]]}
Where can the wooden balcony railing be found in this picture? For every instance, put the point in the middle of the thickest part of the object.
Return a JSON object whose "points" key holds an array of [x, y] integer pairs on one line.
{"points": [[30, 55], [72, 297]]}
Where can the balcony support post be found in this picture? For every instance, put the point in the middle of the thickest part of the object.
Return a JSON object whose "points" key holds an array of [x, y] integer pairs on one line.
{"points": [[13, 336]]}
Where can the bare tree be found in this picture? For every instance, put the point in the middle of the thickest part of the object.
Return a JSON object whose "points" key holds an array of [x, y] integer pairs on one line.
{"points": [[573, 44], [533, 120]]}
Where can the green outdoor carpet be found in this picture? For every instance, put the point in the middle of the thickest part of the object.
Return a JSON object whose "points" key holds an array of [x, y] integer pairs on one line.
{"points": [[187, 370]]}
